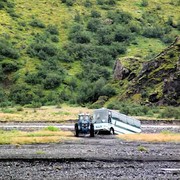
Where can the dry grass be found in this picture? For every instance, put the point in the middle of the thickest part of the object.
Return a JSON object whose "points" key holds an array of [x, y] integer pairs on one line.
{"points": [[161, 137], [35, 140], [51, 114], [45, 113], [36, 137]]}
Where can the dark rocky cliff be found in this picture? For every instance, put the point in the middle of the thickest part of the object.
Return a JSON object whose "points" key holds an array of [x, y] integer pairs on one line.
{"points": [[157, 81]]}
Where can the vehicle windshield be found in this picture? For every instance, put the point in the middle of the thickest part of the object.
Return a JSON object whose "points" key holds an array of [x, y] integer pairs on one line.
{"points": [[100, 116], [84, 117]]}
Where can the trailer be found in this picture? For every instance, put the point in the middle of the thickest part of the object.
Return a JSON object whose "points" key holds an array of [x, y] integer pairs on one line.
{"points": [[114, 122]]}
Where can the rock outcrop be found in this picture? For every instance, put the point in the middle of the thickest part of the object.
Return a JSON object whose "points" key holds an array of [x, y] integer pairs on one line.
{"points": [[120, 72], [130, 70], [158, 81]]}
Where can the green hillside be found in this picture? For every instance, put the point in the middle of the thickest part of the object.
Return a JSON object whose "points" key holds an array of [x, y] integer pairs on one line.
{"points": [[54, 51]]}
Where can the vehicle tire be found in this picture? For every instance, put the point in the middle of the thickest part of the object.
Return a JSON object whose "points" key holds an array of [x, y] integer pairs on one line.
{"points": [[91, 130], [76, 130], [111, 131]]}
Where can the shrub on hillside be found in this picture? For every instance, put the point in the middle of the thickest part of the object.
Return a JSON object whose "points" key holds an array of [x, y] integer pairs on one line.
{"points": [[6, 3], [93, 24], [52, 81], [100, 2], [113, 105], [55, 39], [43, 51], [52, 29], [32, 78], [41, 37], [22, 94], [106, 2], [144, 3], [37, 23], [88, 3], [170, 21], [134, 27], [153, 32], [10, 4], [92, 91], [77, 17], [170, 112], [68, 2], [119, 16], [108, 91], [82, 37], [7, 50], [1, 5], [117, 48], [76, 27], [3, 96], [131, 108], [105, 35], [2, 75], [9, 66], [178, 25], [111, 2], [167, 39], [95, 14], [122, 34], [12, 13], [64, 56]]}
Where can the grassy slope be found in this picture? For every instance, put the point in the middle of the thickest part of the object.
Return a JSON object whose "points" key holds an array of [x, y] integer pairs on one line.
{"points": [[56, 13], [135, 8], [146, 46], [53, 12]]}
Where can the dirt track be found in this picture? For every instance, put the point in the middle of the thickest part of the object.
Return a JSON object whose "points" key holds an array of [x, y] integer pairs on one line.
{"points": [[103, 157]]}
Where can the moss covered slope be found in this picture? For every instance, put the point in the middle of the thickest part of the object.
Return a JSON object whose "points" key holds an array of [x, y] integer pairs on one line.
{"points": [[158, 80]]}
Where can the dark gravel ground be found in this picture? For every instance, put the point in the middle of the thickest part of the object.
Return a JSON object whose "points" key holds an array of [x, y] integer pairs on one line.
{"points": [[102, 157], [158, 129], [37, 170]]}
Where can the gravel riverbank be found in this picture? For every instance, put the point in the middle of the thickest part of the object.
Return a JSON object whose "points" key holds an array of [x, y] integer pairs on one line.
{"points": [[103, 157]]}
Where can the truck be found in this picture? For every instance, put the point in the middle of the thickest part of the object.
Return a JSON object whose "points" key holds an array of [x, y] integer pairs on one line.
{"points": [[84, 125], [114, 122]]}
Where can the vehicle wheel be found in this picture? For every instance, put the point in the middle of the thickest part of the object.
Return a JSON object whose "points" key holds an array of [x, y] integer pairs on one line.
{"points": [[91, 130], [111, 131], [76, 130]]}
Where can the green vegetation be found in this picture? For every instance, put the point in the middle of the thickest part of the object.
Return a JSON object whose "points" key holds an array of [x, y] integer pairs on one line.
{"points": [[53, 52], [40, 152], [142, 148], [42, 136], [166, 132], [134, 109], [170, 112], [51, 128], [7, 110]]}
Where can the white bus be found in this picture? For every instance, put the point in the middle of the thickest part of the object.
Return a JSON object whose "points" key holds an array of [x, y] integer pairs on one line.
{"points": [[114, 122]]}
